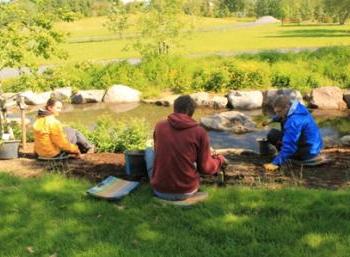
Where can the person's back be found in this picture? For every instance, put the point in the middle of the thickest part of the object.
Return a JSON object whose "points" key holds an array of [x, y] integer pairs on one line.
{"points": [[49, 137], [181, 152]]}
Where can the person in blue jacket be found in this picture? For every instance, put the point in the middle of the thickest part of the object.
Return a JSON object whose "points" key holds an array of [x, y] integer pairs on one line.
{"points": [[299, 138]]}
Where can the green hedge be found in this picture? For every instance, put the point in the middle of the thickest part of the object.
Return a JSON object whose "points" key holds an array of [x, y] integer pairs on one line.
{"points": [[302, 71]]}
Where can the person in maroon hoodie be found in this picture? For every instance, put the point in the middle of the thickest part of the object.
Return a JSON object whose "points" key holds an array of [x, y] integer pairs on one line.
{"points": [[181, 152]]}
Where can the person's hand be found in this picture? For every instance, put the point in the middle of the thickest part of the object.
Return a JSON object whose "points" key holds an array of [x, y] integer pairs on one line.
{"points": [[270, 167], [265, 123]]}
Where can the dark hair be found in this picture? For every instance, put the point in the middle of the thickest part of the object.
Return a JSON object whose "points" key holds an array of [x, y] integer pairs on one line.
{"points": [[51, 102], [281, 101], [185, 104]]}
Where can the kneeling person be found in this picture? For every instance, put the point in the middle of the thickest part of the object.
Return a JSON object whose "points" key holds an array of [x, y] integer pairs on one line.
{"points": [[181, 152], [51, 139], [299, 137]]}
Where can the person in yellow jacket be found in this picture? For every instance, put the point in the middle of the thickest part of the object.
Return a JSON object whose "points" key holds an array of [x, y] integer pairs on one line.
{"points": [[51, 139]]}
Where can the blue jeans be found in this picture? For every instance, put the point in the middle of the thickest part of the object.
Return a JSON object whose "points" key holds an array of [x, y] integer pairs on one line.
{"points": [[149, 158]]}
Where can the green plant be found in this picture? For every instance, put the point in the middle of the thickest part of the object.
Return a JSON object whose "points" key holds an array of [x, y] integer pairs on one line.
{"points": [[117, 136]]}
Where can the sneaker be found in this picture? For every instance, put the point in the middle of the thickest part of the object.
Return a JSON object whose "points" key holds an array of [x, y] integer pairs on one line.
{"points": [[91, 149]]}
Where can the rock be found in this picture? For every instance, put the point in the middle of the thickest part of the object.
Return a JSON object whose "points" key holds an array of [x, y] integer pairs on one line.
{"points": [[327, 98], [233, 121], [166, 101], [269, 96], [245, 100], [267, 20], [121, 94], [201, 98], [346, 97], [345, 140], [218, 102], [10, 99], [88, 96], [63, 93], [31, 98]]}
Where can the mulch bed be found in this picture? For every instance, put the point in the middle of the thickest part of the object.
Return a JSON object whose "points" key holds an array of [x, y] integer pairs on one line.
{"points": [[244, 168]]}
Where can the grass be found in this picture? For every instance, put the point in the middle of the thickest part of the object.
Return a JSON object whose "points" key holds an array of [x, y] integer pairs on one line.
{"points": [[90, 40], [51, 216]]}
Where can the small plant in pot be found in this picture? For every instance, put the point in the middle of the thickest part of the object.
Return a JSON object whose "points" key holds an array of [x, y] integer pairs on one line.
{"points": [[8, 144]]}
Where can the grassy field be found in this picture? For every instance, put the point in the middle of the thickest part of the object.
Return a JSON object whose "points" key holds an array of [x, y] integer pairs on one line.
{"points": [[89, 39], [51, 216]]}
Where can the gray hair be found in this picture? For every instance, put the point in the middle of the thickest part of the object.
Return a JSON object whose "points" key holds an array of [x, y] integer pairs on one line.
{"points": [[282, 101]]}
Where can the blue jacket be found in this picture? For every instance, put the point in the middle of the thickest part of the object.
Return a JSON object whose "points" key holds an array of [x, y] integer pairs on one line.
{"points": [[299, 126]]}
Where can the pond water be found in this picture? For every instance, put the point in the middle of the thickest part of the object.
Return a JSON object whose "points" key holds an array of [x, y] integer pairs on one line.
{"points": [[333, 124]]}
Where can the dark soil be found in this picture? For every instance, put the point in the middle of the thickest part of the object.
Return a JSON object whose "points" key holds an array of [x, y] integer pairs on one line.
{"points": [[244, 168]]}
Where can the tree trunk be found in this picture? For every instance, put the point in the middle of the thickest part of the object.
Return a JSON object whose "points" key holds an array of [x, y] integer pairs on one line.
{"points": [[343, 18]]}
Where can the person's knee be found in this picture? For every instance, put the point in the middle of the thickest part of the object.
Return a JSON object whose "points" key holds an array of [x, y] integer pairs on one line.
{"points": [[274, 136]]}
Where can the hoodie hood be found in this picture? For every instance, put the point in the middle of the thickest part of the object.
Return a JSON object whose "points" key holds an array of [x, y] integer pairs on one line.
{"points": [[297, 108], [43, 113], [181, 121]]}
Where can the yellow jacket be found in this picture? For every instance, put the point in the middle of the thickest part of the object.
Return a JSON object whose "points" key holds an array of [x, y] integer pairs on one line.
{"points": [[49, 138]]}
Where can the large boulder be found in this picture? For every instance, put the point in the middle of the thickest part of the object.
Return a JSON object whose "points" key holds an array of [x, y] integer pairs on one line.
{"points": [[327, 98], [63, 93], [121, 94], [218, 102], [166, 101], [271, 95], [345, 140], [32, 98], [245, 100], [232, 121], [88, 96], [346, 97], [201, 98]]}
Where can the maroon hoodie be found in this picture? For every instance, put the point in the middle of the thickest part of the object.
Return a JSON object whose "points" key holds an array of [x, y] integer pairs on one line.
{"points": [[180, 145]]}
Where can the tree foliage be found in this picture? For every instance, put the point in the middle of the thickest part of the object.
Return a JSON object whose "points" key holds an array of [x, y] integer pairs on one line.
{"points": [[24, 36], [339, 8], [161, 26]]}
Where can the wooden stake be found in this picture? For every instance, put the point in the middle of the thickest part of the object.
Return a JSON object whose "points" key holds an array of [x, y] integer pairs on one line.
{"points": [[24, 129]]}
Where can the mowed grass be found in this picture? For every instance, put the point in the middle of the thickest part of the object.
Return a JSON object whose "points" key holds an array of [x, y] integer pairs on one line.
{"points": [[90, 40], [52, 216]]}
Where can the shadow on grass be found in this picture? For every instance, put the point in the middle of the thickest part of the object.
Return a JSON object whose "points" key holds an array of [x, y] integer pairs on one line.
{"points": [[52, 215], [312, 33]]}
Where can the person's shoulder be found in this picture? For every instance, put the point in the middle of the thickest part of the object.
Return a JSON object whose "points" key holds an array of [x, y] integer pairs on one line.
{"points": [[200, 130], [161, 123], [52, 120]]}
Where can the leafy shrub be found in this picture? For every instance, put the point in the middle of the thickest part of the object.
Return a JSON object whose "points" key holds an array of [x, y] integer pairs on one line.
{"points": [[280, 80], [303, 71], [17, 131], [111, 136]]}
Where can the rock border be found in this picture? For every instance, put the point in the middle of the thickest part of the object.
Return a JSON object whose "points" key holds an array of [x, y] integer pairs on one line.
{"points": [[329, 97]]}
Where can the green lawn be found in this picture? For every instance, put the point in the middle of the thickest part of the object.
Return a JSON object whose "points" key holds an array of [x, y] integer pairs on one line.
{"points": [[52, 216], [217, 39]]}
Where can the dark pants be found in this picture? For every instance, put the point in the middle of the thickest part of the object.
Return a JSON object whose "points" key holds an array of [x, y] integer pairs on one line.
{"points": [[76, 138], [275, 138]]}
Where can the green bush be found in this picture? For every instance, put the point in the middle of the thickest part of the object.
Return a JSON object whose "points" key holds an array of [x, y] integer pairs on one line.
{"points": [[280, 80], [111, 136], [303, 71]]}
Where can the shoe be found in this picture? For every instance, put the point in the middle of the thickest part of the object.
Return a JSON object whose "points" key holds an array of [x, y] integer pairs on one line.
{"points": [[92, 149]]}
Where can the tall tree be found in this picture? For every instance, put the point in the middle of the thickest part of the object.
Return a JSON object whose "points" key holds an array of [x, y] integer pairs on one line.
{"points": [[161, 27], [338, 8]]}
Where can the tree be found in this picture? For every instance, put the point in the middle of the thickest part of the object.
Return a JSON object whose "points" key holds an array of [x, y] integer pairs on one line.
{"points": [[338, 8], [24, 36], [118, 19], [161, 27], [232, 5]]}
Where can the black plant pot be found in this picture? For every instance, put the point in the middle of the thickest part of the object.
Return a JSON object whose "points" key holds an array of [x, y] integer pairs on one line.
{"points": [[9, 149]]}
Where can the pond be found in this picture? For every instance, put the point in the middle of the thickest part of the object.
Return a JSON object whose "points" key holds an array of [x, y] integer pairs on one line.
{"points": [[334, 124]]}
